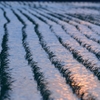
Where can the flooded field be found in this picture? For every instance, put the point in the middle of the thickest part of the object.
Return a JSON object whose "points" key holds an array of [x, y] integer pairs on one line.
{"points": [[49, 51]]}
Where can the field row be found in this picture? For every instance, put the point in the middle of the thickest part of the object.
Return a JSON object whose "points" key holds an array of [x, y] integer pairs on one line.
{"points": [[47, 53]]}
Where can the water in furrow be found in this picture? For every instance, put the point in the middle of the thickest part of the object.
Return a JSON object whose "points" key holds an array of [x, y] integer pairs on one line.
{"points": [[23, 86], [56, 84], [76, 75]]}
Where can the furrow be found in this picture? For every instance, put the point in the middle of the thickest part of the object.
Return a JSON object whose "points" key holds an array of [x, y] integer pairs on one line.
{"points": [[91, 26], [3, 4], [86, 30], [5, 77], [83, 29], [7, 4], [83, 17], [80, 38], [88, 33], [79, 23], [80, 54], [38, 75], [83, 41], [89, 15], [56, 84], [23, 86], [69, 68], [2, 22]]}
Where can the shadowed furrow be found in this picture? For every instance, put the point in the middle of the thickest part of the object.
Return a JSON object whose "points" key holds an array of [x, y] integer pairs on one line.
{"points": [[50, 50], [61, 62], [89, 14], [88, 33], [4, 65], [77, 23], [83, 17], [83, 29], [2, 22], [38, 75], [79, 53], [92, 27], [85, 26], [80, 38], [24, 87], [56, 84]]}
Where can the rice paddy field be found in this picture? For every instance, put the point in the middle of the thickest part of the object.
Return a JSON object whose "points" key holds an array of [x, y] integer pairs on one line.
{"points": [[49, 51]]}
